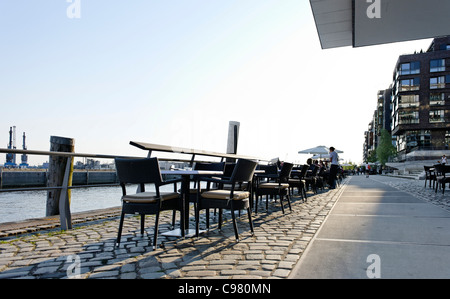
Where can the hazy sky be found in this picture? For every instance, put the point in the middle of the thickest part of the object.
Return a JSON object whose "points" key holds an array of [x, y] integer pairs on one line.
{"points": [[176, 72]]}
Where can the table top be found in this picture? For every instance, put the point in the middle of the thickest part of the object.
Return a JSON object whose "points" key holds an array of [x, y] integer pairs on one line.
{"points": [[192, 172], [180, 150]]}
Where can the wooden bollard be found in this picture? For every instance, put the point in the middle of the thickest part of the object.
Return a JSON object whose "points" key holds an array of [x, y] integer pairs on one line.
{"points": [[57, 173]]}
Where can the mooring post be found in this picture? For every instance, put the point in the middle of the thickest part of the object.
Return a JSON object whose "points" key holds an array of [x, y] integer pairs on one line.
{"points": [[60, 174]]}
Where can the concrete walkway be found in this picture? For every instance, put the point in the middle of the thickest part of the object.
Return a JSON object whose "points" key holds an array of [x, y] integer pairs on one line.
{"points": [[377, 231]]}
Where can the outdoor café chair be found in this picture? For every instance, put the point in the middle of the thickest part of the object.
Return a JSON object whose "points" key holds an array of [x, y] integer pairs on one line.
{"points": [[441, 176], [298, 181], [278, 188], [311, 178], [142, 172], [430, 175], [228, 198]]}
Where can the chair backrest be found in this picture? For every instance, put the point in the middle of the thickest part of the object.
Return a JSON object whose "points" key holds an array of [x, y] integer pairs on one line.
{"points": [[228, 170], [243, 171], [220, 166], [285, 171], [138, 171], [269, 169], [442, 169], [304, 170]]}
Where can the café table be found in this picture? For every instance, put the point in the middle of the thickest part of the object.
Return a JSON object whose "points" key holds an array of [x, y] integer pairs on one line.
{"points": [[186, 175]]}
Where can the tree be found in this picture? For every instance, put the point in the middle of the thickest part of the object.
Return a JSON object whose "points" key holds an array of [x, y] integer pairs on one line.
{"points": [[385, 149], [372, 158]]}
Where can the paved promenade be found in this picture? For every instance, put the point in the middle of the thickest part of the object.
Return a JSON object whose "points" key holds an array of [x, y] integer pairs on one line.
{"points": [[319, 238], [380, 229]]}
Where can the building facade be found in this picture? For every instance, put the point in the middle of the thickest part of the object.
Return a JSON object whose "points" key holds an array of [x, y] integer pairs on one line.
{"points": [[419, 110], [420, 99]]}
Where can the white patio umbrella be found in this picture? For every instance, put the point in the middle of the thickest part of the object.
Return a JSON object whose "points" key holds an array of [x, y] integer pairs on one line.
{"points": [[318, 150]]}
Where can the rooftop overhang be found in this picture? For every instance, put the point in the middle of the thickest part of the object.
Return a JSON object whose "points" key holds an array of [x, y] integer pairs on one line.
{"points": [[359, 23]]}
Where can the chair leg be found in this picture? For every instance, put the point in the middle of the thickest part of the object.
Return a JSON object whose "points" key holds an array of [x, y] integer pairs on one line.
{"points": [[142, 224], [281, 202], [236, 233], [220, 218], [119, 234], [155, 236], [289, 202], [197, 224], [249, 213], [174, 217]]}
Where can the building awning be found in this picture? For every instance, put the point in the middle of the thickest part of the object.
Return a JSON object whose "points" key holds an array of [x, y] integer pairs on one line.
{"points": [[361, 23]]}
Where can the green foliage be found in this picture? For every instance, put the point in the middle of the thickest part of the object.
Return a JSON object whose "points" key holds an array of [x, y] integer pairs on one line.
{"points": [[385, 149]]}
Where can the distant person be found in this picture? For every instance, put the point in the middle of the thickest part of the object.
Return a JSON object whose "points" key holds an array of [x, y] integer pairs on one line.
{"points": [[443, 160], [334, 167]]}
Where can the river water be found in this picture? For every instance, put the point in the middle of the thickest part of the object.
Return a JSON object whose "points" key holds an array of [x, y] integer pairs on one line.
{"points": [[22, 205]]}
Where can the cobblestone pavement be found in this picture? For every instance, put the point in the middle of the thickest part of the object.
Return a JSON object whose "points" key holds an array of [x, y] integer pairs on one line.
{"points": [[418, 189], [88, 251]]}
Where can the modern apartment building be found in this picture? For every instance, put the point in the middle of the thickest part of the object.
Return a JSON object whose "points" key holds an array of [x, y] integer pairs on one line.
{"points": [[419, 107], [381, 120], [421, 99]]}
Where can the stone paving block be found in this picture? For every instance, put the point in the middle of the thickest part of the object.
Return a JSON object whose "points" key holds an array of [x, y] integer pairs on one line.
{"points": [[272, 252]]}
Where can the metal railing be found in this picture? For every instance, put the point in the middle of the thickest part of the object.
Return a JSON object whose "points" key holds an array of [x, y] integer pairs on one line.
{"points": [[63, 200]]}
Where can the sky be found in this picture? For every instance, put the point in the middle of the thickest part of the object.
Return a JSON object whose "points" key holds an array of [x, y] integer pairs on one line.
{"points": [[176, 72]]}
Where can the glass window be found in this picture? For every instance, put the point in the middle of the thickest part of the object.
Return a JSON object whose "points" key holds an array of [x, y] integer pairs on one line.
{"points": [[437, 82], [406, 101], [410, 68], [436, 116], [408, 117], [409, 84], [437, 98], [437, 65]]}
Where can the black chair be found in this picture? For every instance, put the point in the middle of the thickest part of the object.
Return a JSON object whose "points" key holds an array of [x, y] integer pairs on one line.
{"points": [[430, 175], [142, 172], [441, 177], [229, 198], [311, 178], [297, 180], [279, 187]]}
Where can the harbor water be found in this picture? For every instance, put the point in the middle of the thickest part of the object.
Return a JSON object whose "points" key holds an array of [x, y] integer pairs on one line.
{"points": [[23, 205]]}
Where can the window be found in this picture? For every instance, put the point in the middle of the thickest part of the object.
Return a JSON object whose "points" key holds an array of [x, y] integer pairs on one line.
{"points": [[406, 101], [437, 98], [437, 82], [436, 116], [412, 139], [410, 84], [410, 68], [408, 117], [437, 65]]}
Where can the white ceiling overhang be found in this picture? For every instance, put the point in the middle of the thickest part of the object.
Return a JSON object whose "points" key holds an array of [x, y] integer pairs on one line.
{"points": [[360, 23]]}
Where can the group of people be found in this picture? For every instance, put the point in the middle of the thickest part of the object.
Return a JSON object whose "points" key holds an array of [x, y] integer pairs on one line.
{"points": [[333, 168]]}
